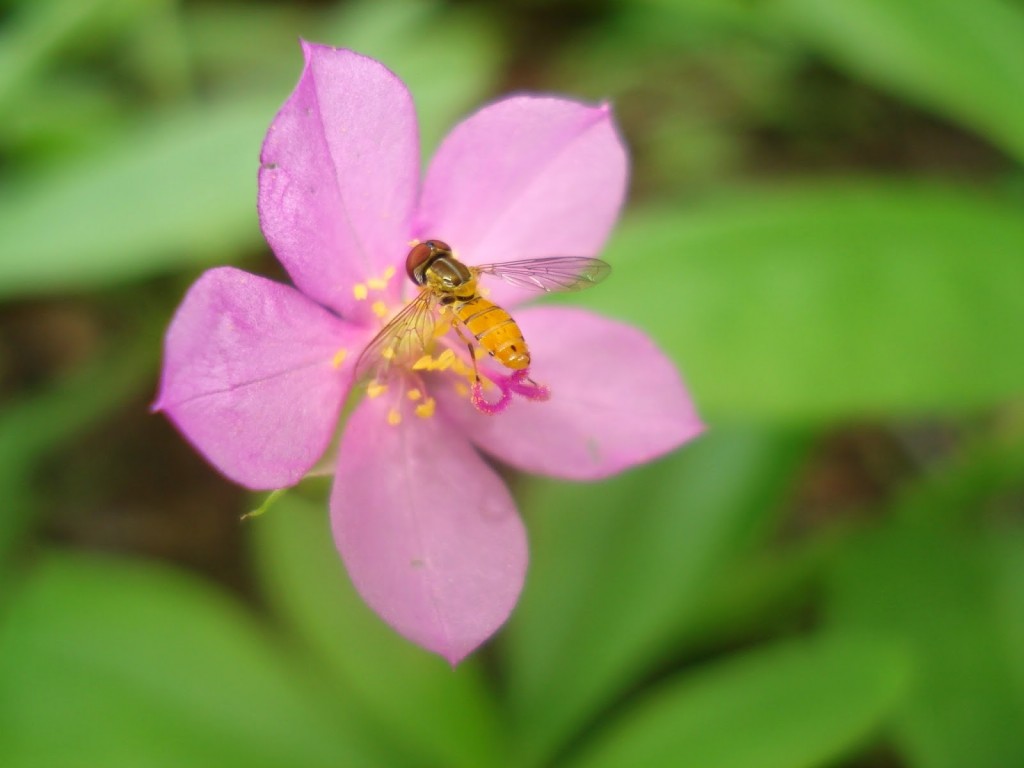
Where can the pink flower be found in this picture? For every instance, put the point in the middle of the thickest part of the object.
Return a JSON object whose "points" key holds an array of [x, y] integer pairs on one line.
{"points": [[255, 372]]}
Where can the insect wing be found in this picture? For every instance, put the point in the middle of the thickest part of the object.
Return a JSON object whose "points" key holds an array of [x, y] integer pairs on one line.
{"points": [[402, 339], [551, 274]]}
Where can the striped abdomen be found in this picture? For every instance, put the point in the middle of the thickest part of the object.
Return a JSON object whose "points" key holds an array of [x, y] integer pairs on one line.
{"points": [[496, 331]]}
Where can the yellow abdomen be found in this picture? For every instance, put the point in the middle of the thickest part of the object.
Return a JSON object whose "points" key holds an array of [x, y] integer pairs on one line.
{"points": [[496, 331]]}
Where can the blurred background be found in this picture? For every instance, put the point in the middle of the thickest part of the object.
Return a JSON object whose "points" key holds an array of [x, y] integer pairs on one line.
{"points": [[826, 233]]}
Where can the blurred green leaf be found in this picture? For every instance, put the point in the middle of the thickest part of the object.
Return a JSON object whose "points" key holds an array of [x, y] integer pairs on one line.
{"points": [[1008, 560], [957, 489], [798, 704], [438, 715], [961, 59], [767, 589], [830, 301], [619, 568], [257, 48], [158, 53], [35, 423], [936, 588], [62, 117], [182, 192], [112, 663], [37, 30]]}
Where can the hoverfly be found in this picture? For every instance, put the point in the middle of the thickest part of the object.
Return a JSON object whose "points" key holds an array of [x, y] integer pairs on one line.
{"points": [[448, 286]]}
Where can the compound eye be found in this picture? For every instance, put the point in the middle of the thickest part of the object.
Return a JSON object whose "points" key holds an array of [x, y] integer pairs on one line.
{"points": [[422, 256], [416, 261]]}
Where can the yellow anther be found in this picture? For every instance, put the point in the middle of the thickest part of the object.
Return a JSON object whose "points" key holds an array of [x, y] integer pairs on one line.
{"points": [[462, 389], [461, 368], [375, 389], [380, 309], [426, 409], [414, 394], [413, 243], [394, 417], [389, 273], [425, 363], [388, 353], [359, 291], [445, 360], [377, 284], [339, 358]]}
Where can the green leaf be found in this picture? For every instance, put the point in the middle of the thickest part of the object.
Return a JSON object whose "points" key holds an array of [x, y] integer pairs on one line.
{"points": [[798, 704], [39, 29], [175, 194], [107, 662], [938, 588], [438, 715], [1008, 559], [619, 569], [36, 423], [830, 301], [961, 59], [986, 467]]}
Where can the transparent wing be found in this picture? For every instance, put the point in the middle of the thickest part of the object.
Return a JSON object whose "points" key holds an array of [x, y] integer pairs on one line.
{"points": [[555, 273], [401, 340]]}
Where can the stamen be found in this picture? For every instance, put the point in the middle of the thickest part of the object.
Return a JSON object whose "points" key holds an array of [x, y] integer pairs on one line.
{"points": [[523, 385], [445, 360], [359, 291], [339, 357], [380, 309], [482, 405], [388, 353], [462, 369], [389, 273], [394, 417], [518, 383], [414, 394], [462, 389], [377, 284], [426, 409], [425, 363], [375, 389]]}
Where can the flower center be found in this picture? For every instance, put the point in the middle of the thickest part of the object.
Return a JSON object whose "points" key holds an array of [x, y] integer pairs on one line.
{"points": [[415, 347]]}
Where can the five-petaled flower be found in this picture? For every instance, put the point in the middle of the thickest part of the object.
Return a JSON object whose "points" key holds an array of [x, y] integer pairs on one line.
{"points": [[255, 372]]}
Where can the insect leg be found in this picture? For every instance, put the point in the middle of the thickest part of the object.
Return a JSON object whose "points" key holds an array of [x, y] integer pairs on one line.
{"points": [[469, 345]]}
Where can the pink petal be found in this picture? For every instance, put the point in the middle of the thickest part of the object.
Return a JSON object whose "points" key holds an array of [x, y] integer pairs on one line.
{"points": [[250, 376], [526, 177], [616, 400], [428, 531], [339, 174]]}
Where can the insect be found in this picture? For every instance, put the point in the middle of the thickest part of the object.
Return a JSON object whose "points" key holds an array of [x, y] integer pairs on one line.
{"points": [[450, 287]]}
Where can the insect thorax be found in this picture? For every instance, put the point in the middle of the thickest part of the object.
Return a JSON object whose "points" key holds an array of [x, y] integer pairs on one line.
{"points": [[450, 277]]}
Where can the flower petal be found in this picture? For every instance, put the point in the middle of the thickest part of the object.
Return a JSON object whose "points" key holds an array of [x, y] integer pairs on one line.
{"points": [[526, 177], [428, 532], [616, 400], [253, 376], [338, 176]]}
